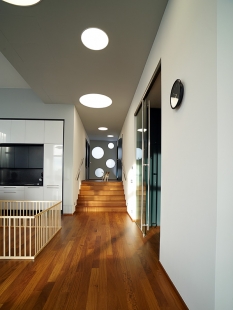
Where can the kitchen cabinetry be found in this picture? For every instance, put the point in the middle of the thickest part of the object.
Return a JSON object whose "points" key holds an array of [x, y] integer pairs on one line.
{"points": [[33, 193], [12, 192], [7, 157], [53, 132], [53, 171], [17, 131], [31, 155], [34, 131], [5, 131]]}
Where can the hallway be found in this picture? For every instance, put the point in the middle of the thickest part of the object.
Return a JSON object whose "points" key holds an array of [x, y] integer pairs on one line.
{"points": [[97, 261]]}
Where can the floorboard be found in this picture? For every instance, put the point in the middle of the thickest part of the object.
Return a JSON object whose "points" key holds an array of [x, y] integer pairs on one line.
{"points": [[97, 261]]}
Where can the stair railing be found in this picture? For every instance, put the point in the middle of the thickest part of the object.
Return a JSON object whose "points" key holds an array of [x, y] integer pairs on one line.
{"points": [[79, 169], [123, 169]]}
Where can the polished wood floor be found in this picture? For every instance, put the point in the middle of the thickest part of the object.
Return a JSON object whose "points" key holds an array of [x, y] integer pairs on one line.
{"points": [[97, 261]]}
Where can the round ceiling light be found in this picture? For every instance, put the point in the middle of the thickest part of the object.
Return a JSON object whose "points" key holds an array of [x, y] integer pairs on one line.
{"points": [[103, 128], [94, 39], [110, 136], [22, 2], [95, 101]]}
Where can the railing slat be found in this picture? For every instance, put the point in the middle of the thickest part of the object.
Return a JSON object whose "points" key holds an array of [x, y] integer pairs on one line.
{"points": [[41, 218]]}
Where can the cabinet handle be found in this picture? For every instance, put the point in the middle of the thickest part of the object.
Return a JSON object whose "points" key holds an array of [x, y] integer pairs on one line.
{"points": [[52, 185], [9, 187], [9, 192], [33, 187]]}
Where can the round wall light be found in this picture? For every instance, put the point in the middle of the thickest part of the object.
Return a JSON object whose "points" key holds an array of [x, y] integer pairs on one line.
{"points": [[97, 152], [110, 163], [94, 39], [99, 172], [22, 2], [96, 101]]}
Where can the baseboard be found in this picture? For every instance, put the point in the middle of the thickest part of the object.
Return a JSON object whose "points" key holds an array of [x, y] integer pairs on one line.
{"points": [[178, 294], [131, 217]]}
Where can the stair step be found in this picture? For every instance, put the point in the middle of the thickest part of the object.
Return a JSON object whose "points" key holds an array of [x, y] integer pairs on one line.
{"points": [[101, 197], [102, 187], [100, 183], [100, 192], [100, 203], [100, 209]]}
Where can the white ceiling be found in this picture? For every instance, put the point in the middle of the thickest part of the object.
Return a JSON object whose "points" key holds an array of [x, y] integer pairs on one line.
{"points": [[42, 43], [9, 77]]}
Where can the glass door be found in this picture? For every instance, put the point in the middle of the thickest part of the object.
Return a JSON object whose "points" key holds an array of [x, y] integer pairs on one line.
{"points": [[143, 166], [119, 160]]}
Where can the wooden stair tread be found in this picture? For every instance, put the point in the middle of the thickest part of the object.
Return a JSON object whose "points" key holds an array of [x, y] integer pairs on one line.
{"points": [[100, 203], [110, 183], [102, 187], [101, 209], [101, 192], [102, 197]]}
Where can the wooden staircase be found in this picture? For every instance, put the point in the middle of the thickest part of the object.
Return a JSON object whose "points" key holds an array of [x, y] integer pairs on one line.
{"points": [[99, 196]]}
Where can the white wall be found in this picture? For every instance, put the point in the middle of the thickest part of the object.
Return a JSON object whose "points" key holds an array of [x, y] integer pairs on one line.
{"points": [[224, 259], [79, 153], [23, 103], [186, 44]]}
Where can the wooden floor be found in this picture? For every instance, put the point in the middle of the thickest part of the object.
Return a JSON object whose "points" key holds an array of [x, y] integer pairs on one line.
{"points": [[97, 261]]}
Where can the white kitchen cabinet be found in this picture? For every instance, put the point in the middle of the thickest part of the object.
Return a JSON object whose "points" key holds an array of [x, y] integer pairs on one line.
{"points": [[53, 164], [34, 131], [53, 132], [53, 171], [52, 192], [12, 193], [5, 131], [33, 193], [18, 131]]}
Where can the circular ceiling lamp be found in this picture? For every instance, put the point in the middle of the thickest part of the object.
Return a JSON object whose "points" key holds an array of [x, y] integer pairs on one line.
{"points": [[22, 2], [103, 128], [94, 39], [96, 101], [110, 136]]}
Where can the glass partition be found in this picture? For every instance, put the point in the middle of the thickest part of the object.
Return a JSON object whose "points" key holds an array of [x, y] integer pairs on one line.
{"points": [[142, 167]]}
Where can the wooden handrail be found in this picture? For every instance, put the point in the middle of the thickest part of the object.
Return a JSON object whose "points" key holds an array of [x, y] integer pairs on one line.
{"points": [[123, 169], [79, 170]]}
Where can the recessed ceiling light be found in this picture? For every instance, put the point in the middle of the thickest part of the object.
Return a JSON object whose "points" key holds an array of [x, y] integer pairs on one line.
{"points": [[94, 38], [103, 128], [22, 2], [110, 136], [96, 101]]}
